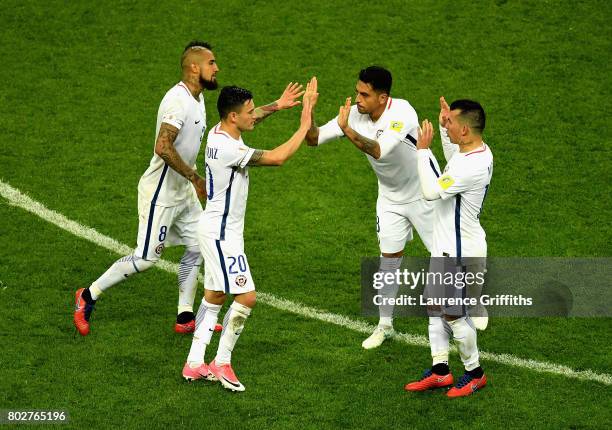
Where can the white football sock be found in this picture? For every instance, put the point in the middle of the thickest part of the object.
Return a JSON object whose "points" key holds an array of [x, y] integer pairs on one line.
{"points": [[120, 270], [464, 334], [233, 323], [389, 290], [189, 268], [205, 326], [439, 336]]}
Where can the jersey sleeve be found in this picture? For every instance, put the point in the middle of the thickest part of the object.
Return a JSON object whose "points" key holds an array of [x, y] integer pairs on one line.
{"points": [[330, 131], [402, 125], [236, 156], [428, 177], [173, 112], [460, 177]]}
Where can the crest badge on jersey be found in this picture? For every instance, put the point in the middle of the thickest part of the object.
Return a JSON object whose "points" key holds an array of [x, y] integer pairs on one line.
{"points": [[159, 248], [397, 126], [241, 280]]}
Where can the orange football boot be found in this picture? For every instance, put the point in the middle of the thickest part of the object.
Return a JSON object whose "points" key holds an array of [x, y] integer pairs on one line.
{"points": [[82, 312], [467, 386], [430, 381]]}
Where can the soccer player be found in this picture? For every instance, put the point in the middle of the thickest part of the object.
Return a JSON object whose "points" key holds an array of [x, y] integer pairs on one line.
{"points": [[385, 129], [459, 195], [168, 191], [220, 232]]}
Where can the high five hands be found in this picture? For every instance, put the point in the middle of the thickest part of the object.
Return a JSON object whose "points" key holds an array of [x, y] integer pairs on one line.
{"points": [[309, 101], [425, 135], [444, 112], [426, 130], [290, 96], [343, 114]]}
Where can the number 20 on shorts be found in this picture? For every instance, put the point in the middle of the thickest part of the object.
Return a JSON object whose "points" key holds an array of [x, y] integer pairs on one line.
{"points": [[240, 262]]}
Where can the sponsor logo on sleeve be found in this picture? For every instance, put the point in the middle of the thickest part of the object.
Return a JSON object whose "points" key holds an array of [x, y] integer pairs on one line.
{"points": [[397, 126], [445, 182]]}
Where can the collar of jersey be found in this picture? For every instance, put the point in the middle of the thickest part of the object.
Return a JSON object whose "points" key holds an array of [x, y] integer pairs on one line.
{"points": [[182, 84], [481, 149]]}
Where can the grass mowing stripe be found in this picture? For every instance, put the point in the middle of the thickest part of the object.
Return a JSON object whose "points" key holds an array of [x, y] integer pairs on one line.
{"points": [[17, 198]]}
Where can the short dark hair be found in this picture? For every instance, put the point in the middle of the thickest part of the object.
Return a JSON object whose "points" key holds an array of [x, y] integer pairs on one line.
{"points": [[231, 99], [472, 113], [197, 43], [378, 77]]}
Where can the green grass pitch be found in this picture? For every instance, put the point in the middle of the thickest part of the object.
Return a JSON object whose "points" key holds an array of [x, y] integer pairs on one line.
{"points": [[80, 86]]}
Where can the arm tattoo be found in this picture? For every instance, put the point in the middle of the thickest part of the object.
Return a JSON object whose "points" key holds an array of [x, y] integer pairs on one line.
{"points": [[313, 125], [255, 157], [368, 146], [312, 135], [167, 151], [166, 131], [263, 112]]}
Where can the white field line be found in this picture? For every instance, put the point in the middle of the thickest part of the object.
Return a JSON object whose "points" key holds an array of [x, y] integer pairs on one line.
{"points": [[17, 198]]}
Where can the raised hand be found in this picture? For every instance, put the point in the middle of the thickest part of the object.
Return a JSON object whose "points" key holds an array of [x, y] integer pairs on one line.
{"points": [[310, 100], [311, 90], [290, 96], [425, 135], [444, 112], [343, 114]]}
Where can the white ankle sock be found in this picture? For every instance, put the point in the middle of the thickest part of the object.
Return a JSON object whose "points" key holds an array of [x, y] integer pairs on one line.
{"points": [[389, 290], [205, 326], [439, 337], [233, 323], [121, 269], [464, 334], [189, 268]]}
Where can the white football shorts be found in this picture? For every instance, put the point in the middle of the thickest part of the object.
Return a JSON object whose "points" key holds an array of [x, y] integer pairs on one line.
{"points": [[161, 226], [226, 267], [394, 223]]}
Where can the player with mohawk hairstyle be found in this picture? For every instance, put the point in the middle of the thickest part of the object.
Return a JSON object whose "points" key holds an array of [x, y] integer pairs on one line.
{"points": [[168, 191]]}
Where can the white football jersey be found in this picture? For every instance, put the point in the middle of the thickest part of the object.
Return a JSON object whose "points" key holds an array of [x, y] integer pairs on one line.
{"points": [[160, 184], [227, 184], [463, 187], [396, 132]]}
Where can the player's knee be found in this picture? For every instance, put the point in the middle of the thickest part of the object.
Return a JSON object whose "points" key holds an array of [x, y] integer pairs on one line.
{"points": [[434, 311], [215, 297], [192, 257], [247, 299], [397, 254], [141, 265], [250, 301]]}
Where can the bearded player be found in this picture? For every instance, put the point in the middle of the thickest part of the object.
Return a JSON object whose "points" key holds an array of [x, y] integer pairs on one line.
{"points": [[168, 191]]}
